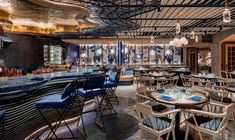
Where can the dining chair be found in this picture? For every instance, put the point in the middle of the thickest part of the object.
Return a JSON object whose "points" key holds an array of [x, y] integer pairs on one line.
{"points": [[137, 78], [198, 81], [157, 124], [224, 74], [186, 79], [142, 95], [172, 81], [212, 119]]}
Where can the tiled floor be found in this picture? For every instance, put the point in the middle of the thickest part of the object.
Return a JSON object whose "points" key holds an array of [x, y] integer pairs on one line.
{"points": [[124, 125]]}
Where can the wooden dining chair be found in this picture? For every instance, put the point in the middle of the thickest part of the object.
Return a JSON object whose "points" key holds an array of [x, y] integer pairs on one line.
{"points": [[157, 124], [137, 78], [199, 81], [186, 79], [142, 95], [173, 80], [212, 120], [224, 74]]}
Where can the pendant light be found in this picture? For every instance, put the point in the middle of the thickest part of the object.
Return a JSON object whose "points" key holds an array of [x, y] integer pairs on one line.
{"points": [[196, 38], [178, 27], [152, 39], [226, 13], [192, 36]]}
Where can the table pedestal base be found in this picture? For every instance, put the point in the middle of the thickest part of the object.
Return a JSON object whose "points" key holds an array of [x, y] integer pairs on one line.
{"points": [[179, 136]]}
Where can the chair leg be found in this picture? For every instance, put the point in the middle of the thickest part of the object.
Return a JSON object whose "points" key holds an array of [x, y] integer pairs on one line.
{"points": [[49, 125], [168, 134], [3, 126], [186, 133], [200, 135], [63, 119], [173, 134]]}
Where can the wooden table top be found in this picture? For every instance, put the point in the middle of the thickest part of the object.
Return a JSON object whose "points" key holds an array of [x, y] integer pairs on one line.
{"points": [[180, 98]]}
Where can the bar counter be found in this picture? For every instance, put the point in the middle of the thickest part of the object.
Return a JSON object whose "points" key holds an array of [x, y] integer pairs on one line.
{"points": [[19, 94]]}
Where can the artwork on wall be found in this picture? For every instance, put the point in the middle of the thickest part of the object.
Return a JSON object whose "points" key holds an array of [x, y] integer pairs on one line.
{"points": [[131, 54], [204, 60]]}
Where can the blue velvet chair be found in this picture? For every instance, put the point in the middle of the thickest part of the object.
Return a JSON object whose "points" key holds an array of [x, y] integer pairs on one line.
{"points": [[112, 83], [94, 88], [2, 122], [61, 103]]}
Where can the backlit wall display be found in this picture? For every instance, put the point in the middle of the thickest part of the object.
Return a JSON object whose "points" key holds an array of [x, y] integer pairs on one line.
{"points": [[53, 54], [132, 54]]}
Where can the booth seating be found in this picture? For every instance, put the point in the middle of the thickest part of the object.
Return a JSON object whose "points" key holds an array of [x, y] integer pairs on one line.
{"points": [[127, 77]]}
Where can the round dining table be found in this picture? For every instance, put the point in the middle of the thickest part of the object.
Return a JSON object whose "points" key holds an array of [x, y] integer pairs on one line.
{"points": [[205, 76], [180, 99]]}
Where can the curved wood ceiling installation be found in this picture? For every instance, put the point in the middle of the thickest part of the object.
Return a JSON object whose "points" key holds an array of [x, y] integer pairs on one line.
{"points": [[46, 17]]}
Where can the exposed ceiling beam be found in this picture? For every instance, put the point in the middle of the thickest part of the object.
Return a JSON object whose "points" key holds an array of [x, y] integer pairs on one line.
{"points": [[232, 26], [162, 18], [170, 6]]}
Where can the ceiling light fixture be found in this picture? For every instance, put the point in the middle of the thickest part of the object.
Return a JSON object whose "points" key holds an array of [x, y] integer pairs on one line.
{"points": [[152, 39], [226, 13], [178, 27], [179, 42], [196, 38], [192, 36]]}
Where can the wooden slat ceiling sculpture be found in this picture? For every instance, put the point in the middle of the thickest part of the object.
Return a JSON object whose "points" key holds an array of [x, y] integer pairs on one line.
{"points": [[44, 17]]}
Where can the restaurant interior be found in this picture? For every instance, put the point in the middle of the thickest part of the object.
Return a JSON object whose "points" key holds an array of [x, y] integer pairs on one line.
{"points": [[117, 69]]}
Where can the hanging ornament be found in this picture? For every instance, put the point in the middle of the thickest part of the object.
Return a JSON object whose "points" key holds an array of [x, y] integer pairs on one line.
{"points": [[178, 28], [184, 41], [171, 43], [152, 39], [226, 13], [192, 36], [196, 38]]}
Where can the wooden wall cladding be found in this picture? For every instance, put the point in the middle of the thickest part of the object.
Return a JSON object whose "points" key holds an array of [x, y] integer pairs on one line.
{"points": [[26, 51]]}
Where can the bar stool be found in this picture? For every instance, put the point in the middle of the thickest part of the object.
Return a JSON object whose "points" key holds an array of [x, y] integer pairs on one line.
{"points": [[63, 102], [93, 88], [111, 84], [2, 122]]}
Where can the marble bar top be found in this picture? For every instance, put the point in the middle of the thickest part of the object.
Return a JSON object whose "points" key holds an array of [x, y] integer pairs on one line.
{"points": [[10, 84]]}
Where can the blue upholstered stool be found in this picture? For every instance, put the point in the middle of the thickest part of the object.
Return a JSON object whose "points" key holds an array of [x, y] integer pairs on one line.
{"points": [[2, 122], [58, 101], [93, 88], [112, 83]]}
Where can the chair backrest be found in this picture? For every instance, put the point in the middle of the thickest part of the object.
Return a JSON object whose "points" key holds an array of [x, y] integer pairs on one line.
{"points": [[69, 89], [128, 72], [114, 75], [186, 80], [224, 74], [152, 121], [94, 82], [215, 115], [141, 95]]}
